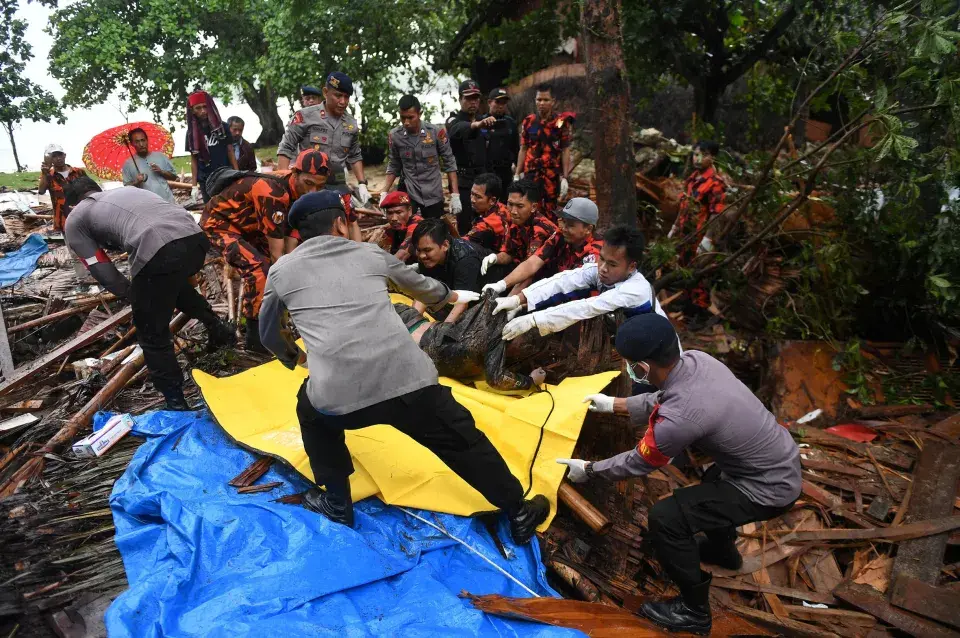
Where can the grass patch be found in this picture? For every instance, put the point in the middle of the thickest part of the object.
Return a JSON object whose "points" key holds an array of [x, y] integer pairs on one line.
{"points": [[20, 181]]}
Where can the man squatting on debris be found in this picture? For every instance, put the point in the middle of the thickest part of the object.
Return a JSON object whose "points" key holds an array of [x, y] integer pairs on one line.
{"points": [[700, 403], [335, 290]]}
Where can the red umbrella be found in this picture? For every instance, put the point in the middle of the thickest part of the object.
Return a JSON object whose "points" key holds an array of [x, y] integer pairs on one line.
{"points": [[107, 151]]}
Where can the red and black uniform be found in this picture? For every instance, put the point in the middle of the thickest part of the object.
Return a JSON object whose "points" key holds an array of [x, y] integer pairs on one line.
{"points": [[402, 239], [543, 163], [57, 185], [704, 195], [238, 222], [491, 230], [558, 255], [525, 240]]}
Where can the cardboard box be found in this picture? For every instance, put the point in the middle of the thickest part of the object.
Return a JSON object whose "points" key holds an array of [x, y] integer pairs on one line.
{"points": [[104, 438]]}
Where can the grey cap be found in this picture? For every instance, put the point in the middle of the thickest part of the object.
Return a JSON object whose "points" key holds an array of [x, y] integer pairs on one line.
{"points": [[582, 210]]}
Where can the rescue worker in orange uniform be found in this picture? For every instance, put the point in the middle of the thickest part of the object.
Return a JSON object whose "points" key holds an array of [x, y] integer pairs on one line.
{"points": [[247, 222], [544, 157]]}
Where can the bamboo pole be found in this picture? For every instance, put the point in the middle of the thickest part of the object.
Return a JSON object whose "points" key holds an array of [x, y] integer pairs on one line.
{"points": [[583, 509], [55, 316]]}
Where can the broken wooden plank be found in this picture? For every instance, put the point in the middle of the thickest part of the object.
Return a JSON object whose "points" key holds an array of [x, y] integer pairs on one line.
{"points": [[17, 423], [893, 411], [815, 614], [25, 373], [820, 437], [833, 503], [938, 603], [949, 426], [253, 473], [822, 568], [256, 489], [785, 626], [23, 406], [6, 358], [932, 496], [826, 466], [920, 529], [761, 577], [797, 594], [871, 601]]}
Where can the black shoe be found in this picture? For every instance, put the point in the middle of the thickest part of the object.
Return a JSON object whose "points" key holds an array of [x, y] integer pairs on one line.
{"points": [[720, 553], [336, 508], [524, 523], [252, 338], [219, 335], [690, 611], [176, 402]]}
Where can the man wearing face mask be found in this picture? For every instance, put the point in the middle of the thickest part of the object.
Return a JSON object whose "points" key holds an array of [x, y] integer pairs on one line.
{"points": [[592, 290], [755, 477]]}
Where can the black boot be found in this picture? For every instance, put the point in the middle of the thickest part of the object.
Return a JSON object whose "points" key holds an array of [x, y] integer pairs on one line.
{"points": [[524, 523], [335, 503], [690, 611], [219, 334], [252, 341], [176, 401], [721, 552]]}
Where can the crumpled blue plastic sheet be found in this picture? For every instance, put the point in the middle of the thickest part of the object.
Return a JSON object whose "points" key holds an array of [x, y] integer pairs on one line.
{"points": [[21, 262], [203, 560]]}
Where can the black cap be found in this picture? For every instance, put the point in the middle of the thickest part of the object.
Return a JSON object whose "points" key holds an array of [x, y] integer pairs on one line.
{"points": [[309, 89], [469, 87], [340, 81], [311, 203], [498, 93], [646, 337]]}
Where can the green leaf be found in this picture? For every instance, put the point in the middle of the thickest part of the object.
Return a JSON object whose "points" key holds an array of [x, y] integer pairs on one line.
{"points": [[939, 281], [881, 97]]}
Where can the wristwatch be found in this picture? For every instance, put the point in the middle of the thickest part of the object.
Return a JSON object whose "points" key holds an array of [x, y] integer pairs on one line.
{"points": [[588, 469], [362, 181]]}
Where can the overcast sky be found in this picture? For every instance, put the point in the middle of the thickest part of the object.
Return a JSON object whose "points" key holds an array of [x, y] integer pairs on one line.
{"points": [[83, 124]]}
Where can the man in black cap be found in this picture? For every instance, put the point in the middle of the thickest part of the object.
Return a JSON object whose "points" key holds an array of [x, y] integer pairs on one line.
{"points": [[326, 126], [755, 477], [469, 146], [503, 139], [336, 293], [310, 96]]}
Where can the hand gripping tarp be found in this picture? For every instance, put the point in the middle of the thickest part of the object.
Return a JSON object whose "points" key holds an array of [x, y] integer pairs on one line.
{"points": [[21, 262], [257, 408], [205, 561]]}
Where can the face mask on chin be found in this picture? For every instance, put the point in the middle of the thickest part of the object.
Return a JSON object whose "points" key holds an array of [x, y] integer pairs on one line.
{"points": [[634, 377]]}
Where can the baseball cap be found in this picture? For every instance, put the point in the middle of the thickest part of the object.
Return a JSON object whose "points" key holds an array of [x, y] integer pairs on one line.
{"points": [[309, 89], [645, 337], [53, 148], [396, 198], [311, 203], [311, 161], [498, 93], [581, 209], [341, 82], [469, 87]]}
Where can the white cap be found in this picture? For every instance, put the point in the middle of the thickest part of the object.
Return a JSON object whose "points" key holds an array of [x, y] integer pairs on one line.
{"points": [[53, 148]]}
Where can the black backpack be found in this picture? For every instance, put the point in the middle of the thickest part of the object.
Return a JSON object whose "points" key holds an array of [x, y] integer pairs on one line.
{"points": [[224, 176]]}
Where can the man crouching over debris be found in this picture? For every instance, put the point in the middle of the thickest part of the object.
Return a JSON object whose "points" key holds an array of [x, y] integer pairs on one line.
{"points": [[364, 367], [592, 290], [756, 475], [166, 249]]}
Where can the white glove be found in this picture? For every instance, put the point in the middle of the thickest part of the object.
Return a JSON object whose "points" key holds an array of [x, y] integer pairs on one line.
{"points": [[517, 327], [364, 194], [578, 469], [511, 314], [456, 207], [564, 187], [500, 287], [599, 403], [383, 196], [488, 261], [506, 303], [516, 177], [706, 245], [466, 296]]}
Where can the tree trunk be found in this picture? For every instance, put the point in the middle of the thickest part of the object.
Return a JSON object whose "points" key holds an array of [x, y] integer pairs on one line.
{"points": [[13, 145], [263, 102], [610, 112], [706, 99]]}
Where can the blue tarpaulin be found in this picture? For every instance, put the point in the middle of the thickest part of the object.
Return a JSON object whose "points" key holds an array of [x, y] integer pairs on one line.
{"points": [[21, 262], [203, 560]]}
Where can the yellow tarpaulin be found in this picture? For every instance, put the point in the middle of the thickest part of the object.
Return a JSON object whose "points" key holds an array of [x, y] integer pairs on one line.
{"points": [[257, 408]]}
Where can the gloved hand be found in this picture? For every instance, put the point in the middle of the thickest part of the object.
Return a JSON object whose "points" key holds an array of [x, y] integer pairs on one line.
{"points": [[564, 187], [599, 403], [516, 177], [500, 287], [517, 327], [506, 303], [511, 314], [383, 195], [578, 469], [456, 207], [364, 194], [488, 261], [706, 245], [539, 376], [466, 296]]}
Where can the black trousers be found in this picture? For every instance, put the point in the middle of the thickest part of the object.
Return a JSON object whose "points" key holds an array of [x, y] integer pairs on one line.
{"points": [[715, 507], [465, 218], [432, 418], [159, 288], [433, 210]]}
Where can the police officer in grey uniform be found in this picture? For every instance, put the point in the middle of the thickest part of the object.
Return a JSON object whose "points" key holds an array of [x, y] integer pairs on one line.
{"points": [[329, 128], [422, 151]]}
